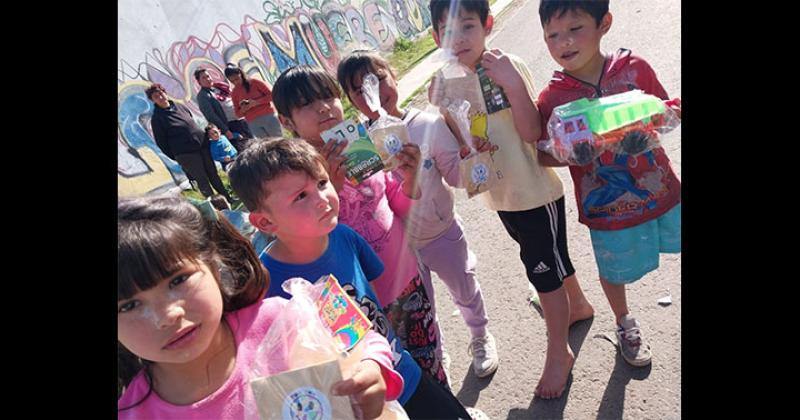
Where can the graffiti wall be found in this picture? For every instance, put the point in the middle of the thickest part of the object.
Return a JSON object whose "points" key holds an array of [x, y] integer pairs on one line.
{"points": [[164, 41]]}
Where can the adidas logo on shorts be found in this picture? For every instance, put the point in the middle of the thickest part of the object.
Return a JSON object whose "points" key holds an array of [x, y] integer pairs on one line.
{"points": [[541, 268]]}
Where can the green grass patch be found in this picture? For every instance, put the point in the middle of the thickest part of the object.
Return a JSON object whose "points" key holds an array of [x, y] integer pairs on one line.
{"points": [[414, 94], [407, 53], [225, 181]]}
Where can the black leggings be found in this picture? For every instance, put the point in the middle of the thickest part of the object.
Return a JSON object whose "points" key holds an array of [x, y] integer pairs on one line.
{"points": [[431, 400]]}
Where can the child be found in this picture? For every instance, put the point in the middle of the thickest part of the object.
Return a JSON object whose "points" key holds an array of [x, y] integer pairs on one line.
{"points": [[626, 241], [307, 100], [433, 229], [528, 198], [222, 150], [285, 186], [191, 316]]}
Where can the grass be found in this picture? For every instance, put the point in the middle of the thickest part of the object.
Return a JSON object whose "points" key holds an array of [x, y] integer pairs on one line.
{"points": [[225, 181], [415, 93], [407, 53]]}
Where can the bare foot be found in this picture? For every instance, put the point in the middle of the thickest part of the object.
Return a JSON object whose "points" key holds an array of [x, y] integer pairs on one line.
{"points": [[555, 375], [580, 311]]}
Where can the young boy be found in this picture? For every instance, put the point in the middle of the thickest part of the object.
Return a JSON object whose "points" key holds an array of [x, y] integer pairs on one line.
{"points": [[433, 229], [528, 198], [308, 102], [285, 186], [222, 150], [628, 230]]}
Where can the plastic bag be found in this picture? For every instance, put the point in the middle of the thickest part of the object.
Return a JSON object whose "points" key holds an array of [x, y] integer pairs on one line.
{"points": [[478, 173], [388, 132], [312, 344], [630, 123]]}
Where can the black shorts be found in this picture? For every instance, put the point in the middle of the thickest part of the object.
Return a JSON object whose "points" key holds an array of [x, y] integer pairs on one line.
{"points": [[542, 237]]}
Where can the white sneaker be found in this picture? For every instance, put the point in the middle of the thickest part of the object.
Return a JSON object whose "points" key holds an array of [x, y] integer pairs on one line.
{"points": [[476, 414], [635, 350], [484, 355]]}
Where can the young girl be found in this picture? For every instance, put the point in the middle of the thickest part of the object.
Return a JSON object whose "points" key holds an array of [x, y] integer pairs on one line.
{"points": [[434, 230], [307, 100], [191, 316], [251, 101]]}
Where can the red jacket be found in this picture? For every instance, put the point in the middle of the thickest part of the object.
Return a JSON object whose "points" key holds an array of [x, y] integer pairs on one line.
{"points": [[258, 89], [616, 192]]}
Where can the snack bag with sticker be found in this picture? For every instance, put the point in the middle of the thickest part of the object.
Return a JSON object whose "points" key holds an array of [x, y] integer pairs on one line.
{"points": [[313, 343], [363, 160], [478, 173], [388, 132]]}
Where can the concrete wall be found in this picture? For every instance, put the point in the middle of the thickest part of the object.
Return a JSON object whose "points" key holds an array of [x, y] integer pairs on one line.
{"points": [[164, 41]]}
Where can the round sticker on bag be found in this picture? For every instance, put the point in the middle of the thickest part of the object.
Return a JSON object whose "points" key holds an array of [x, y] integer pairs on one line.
{"points": [[480, 173], [392, 144], [306, 403]]}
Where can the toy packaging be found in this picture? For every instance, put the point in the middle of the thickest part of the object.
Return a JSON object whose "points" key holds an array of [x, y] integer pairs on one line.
{"points": [[626, 123]]}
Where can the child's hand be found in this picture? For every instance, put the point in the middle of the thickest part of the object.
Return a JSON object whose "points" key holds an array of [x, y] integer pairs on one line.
{"points": [[464, 152], [409, 157], [675, 105], [483, 145], [498, 66], [227, 159], [332, 152], [366, 388]]}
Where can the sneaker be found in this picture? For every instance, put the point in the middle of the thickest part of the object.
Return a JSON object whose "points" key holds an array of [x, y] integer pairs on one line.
{"points": [[484, 355], [476, 414], [634, 349]]}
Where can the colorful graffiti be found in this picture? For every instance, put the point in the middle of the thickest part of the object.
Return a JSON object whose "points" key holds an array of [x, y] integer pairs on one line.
{"points": [[292, 32]]}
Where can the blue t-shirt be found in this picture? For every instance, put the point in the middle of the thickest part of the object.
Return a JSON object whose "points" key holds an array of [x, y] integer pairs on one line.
{"points": [[221, 148], [354, 264]]}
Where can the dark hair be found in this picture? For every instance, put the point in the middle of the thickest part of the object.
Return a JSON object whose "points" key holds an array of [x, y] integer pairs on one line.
{"points": [[549, 8], [219, 202], [155, 87], [439, 7], [154, 235], [356, 65], [301, 85], [198, 72], [231, 69], [208, 129], [267, 159]]}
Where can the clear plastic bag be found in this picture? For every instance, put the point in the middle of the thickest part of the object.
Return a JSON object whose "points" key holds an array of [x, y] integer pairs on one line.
{"points": [[312, 344], [630, 123], [388, 132], [477, 170]]}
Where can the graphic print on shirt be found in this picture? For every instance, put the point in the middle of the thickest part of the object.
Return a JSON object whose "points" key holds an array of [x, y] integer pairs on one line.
{"points": [[412, 319]]}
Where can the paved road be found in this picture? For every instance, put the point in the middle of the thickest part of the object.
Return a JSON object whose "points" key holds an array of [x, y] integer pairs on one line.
{"points": [[603, 385]]}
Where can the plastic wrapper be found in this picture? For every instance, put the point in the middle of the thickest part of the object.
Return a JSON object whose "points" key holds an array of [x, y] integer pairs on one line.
{"points": [[388, 133], [630, 123], [455, 82], [362, 159], [313, 343], [477, 170]]}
